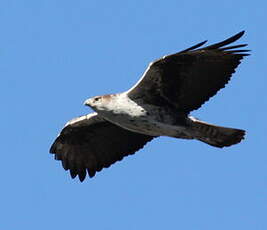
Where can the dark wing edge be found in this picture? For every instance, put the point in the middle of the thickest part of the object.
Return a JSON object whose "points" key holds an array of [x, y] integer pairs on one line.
{"points": [[218, 46], [187, 79], [225, 61], [89, 143]]}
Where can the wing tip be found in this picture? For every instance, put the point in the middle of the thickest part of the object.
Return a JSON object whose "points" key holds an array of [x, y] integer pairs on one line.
{"points": [[194, 46], [219, 44], [240, 34], [82, 174], [226, 41]]}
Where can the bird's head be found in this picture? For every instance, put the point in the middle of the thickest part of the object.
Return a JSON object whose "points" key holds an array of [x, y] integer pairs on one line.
{"points": [[98, 103]]}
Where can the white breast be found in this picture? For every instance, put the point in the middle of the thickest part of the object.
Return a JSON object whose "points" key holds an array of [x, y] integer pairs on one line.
{"points": [[136, 117]]}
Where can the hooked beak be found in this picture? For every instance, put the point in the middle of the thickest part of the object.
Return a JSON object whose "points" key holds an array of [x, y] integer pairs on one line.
{"points": [[87, 102]]}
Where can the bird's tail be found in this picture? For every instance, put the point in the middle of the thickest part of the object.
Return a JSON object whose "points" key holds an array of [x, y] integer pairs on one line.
{"points": [[216, 135]]}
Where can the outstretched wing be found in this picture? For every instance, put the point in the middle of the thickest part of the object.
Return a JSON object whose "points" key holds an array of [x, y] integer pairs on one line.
{"points": [[90, 143], [187, 79]]}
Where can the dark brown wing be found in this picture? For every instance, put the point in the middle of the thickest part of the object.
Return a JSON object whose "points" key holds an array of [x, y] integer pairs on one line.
{"points": [[189, 78], [90, 143]]}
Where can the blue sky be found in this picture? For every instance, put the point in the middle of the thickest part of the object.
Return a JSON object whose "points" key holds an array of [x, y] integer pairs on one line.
{"points": [[54, 54]]}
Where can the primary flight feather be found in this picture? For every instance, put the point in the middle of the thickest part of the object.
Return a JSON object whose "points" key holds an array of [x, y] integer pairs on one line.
{"points": [[157, 105]]}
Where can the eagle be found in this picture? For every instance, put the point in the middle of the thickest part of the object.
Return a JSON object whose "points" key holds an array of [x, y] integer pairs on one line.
{"points": [[159, 104]]}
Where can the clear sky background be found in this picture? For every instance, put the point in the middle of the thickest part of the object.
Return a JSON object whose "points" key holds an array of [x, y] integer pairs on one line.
{"points": [[56, 53]]}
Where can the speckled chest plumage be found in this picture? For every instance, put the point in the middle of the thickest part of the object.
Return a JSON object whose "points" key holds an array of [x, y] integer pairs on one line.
{"points": [[143, 118]]}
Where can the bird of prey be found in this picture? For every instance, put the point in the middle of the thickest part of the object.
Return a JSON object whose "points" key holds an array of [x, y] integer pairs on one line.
{"points": [[157, 105]]}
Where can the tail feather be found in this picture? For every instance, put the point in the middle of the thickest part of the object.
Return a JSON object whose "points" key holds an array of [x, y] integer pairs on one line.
{"points": [[216, 135]]}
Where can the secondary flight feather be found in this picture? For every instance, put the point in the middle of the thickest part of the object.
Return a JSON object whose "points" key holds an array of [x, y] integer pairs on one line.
{"points": [[157, 105]]}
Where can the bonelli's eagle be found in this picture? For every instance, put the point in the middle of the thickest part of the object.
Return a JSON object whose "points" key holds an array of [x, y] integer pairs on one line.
{"points": [[157, 105]]}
